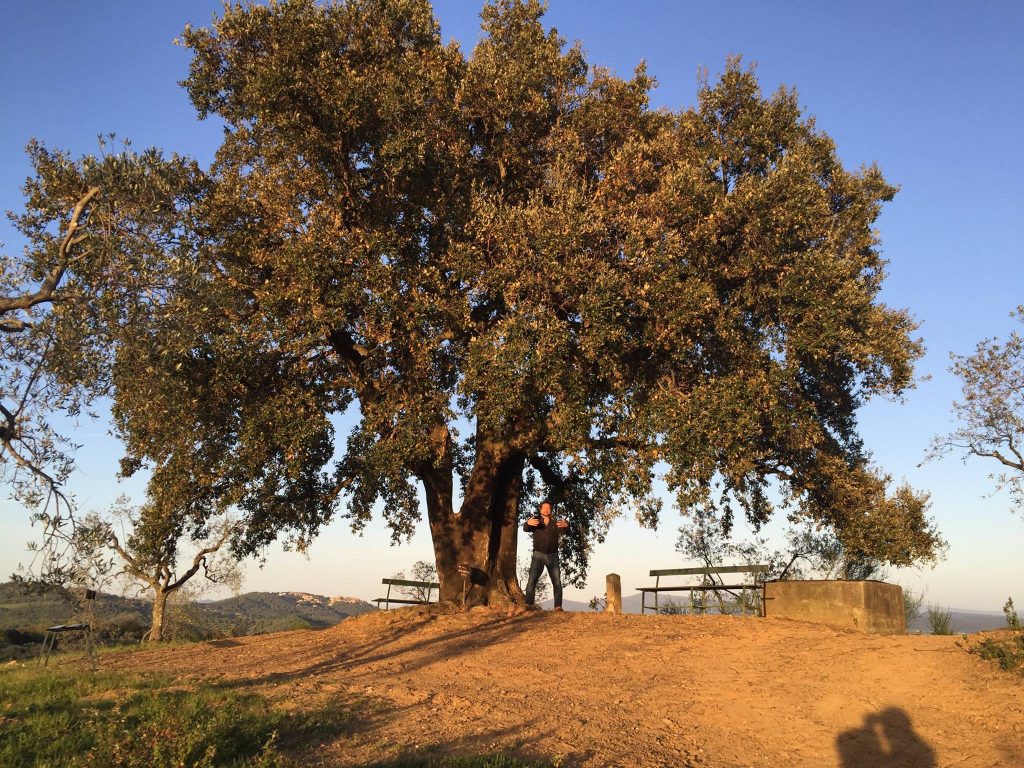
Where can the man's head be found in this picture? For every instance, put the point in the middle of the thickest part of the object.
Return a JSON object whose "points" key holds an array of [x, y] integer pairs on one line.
{"points": [[545, 510]]}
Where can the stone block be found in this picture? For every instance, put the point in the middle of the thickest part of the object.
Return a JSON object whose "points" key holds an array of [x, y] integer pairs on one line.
{"points": [[867, 606]]}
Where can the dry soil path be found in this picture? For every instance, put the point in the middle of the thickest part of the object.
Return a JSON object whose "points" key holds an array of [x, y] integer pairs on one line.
{"points": [[605, 690]]}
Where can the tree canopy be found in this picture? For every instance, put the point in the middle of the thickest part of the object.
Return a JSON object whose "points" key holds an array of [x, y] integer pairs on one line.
{"points": [[100, 231], [991, 415], [514, 274]]}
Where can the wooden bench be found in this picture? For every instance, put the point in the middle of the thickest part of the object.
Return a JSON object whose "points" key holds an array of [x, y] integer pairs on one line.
{"points": [[707, 585], [430, 586]]}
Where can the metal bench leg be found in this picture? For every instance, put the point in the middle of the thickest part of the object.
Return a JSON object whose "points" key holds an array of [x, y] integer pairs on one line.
{"points": [[48, 651], [42, 651], [92, 649]]}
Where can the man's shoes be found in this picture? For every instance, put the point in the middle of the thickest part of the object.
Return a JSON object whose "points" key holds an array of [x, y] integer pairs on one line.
{"points": [[558, 609]]}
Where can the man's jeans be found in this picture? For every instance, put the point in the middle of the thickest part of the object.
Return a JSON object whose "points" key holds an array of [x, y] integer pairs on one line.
{"points": [[537, 565]]}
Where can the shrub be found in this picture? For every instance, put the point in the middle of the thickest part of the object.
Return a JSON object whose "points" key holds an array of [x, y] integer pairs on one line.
{"points": [[1007, 652], [939, 619], [912, 605], [671, 608], [1012, 620], [22, 637]]}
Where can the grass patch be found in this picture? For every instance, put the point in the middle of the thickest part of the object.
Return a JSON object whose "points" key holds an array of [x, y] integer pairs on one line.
{"points": [[116, 720], [1007, 651]]}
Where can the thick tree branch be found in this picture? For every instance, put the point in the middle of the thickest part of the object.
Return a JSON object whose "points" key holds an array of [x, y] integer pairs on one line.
{"points": [[551, 477], [993, 454], [46, 290], [24, 463], [131, 563], [199, 561]]}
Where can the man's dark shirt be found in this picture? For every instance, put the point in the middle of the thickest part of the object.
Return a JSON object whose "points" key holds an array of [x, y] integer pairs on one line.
{"points": [[545, 537]]}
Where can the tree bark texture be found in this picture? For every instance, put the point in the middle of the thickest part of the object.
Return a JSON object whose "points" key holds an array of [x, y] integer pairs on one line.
{"points": [[482, 536], [159, 615]]}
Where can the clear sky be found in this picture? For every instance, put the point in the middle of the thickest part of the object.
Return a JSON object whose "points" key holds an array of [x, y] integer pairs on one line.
{"points": [[932, 91]]}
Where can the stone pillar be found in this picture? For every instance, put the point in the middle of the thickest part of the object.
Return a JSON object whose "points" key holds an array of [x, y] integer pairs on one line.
{"points": [[613, 593]]}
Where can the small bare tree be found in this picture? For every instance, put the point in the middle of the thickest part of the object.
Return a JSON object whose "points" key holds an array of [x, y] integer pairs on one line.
{"points": [[991, 413], [809, 553], [421, 571], [150, 553]]}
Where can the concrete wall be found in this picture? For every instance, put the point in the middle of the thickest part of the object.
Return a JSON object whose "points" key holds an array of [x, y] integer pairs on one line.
{"points": [[867, 606]]}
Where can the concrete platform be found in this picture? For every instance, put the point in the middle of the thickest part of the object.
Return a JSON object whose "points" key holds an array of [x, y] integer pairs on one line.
{"points": [[867, 606]]}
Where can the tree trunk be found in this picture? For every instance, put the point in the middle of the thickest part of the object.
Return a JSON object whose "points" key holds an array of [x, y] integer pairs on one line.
{"points": [[483, 536], [156, 627]]}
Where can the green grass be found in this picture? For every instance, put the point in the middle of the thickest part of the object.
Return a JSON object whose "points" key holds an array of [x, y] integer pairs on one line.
{"points": [[60, 718], [70, 719], [1008, 652]]}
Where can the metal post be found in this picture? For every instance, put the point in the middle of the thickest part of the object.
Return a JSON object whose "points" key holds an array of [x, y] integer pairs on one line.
{"points": [[465, 570]]}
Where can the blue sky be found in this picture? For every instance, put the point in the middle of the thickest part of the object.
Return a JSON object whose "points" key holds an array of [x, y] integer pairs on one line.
{"points": [[930, 90]]}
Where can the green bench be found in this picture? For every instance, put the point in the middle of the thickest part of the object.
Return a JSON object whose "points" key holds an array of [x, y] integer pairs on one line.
{"points": [[430, 586], [707, 585]]}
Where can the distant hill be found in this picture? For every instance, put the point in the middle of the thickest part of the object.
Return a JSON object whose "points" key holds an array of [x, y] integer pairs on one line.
{"points": [[961, 621], [630, 603], [256, 612], [259, 612], [24, 617]]}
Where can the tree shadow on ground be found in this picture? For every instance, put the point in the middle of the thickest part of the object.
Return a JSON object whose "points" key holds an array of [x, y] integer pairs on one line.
{"points": [[401, 646], [224, 642], [421, 653], [477, 750], [886, 740]]}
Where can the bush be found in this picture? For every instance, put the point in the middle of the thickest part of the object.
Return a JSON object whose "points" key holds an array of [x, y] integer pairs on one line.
{"points": [[22, 637], [1012, 620], [672, 608], [122, 628], [939, 620], [912, 605], [1007, 652]]}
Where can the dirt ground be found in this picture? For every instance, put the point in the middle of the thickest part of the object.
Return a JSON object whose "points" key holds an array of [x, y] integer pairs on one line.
{"points": [[604, 690]]}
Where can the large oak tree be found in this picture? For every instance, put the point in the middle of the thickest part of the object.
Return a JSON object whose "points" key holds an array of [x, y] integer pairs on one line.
{"points": [[517, 278]]}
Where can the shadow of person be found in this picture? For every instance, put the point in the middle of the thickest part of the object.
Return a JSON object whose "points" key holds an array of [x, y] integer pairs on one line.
{"points": [[887, 740]]}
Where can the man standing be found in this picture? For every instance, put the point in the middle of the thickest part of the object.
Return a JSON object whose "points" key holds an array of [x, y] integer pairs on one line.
{"points": [[546, 531]]}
